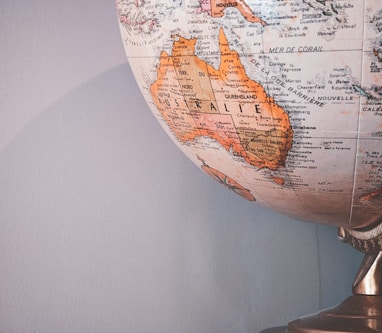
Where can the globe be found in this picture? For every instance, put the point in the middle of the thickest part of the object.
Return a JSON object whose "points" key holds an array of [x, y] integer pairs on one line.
{"points": [[281, 102]]}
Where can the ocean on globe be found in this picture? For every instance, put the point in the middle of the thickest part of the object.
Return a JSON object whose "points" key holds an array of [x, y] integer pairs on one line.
{"points": [[278, 100]]}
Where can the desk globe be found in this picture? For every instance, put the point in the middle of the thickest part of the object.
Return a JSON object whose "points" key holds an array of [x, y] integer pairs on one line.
{"points": [[281, 102]]}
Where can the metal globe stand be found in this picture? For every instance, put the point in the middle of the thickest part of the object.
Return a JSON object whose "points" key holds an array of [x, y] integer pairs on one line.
{"points": [[361, 312]]}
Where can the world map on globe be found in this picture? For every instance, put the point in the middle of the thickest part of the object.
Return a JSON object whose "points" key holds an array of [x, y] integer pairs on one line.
{"points": [[278, 100]]}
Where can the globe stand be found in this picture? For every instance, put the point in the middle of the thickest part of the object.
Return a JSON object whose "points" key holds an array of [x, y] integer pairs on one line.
{"points": [[361, 312]]}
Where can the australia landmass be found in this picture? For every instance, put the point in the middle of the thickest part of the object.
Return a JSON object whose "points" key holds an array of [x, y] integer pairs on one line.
{"points": [[216, 8], [197, 100]]}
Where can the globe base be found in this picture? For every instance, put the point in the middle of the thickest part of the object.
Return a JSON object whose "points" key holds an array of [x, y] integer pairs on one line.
{"points": [[357, 314]]}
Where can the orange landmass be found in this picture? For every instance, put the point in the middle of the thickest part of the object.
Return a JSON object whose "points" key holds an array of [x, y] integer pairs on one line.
{"points": [[226, 181], [198, 100], [216, 8], [279, 180], [371, 195]]}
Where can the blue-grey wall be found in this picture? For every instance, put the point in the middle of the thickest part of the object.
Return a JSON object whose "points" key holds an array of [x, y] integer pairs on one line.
{"points": [[105, 226]]}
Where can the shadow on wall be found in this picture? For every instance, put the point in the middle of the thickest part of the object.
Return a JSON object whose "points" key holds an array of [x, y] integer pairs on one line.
{"points": [[107, 227]]}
